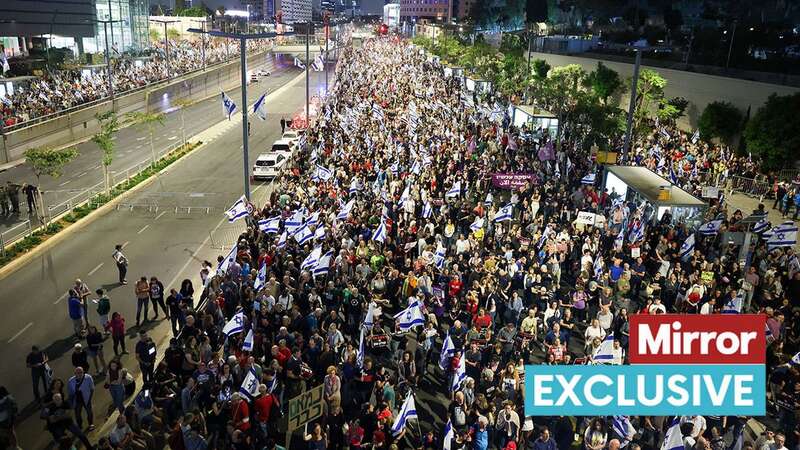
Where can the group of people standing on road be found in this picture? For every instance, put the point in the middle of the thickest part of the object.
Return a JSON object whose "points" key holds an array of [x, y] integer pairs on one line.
{"points": [[10, 198]]}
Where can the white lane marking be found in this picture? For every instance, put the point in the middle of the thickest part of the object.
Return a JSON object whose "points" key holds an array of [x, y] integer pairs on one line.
{"points": [[141, 138], [63, 296], [81, 174], [138, 147], [126, 243], [96, 167], [143, 228], [20, 332], [159, 215], [172, 138], [95, 269], [65, 183]]}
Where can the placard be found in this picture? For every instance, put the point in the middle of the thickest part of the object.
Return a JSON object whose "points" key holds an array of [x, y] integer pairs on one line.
{"points": [[636, 252], [710, 192], [304, 408], [586, 217], [512, 180]]}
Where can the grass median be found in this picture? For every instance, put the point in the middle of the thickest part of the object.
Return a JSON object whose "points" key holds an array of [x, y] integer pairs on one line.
{"points": [[77, 213]]}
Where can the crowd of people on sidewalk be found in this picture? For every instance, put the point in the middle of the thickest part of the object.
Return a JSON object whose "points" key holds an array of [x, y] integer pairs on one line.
{"points": [[59, 90], [389, 268]]}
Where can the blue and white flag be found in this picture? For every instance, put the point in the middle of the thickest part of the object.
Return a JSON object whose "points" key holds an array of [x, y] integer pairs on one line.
{"points": [[247, 345], [761, 226], [369, 319], [282, 240], [710, 228], [222, 267], [624, 429], [489, 199], [672, 177], [238, 210], [449, 435], [228, 106], [637, 232], [303, 235], [250, 385], [597, 266], [674, 438], [313, 220], [261, 278], [619, 241], [427, 210], [687, 248], [589, 179], [271, 225], [795, 361], [460, 375], [354, 186], [235, 325], [318, 64], [477, 224], [312, 259], [405, 195], [569, 165], [439, 257], [605, 352], [407, 412], [454, 191], [661, 164], [505, 213], [299, 63], [695, 136], [295, 221], [410, 317], [448, 350], [784, 235], [260, 108], [344, 212], [380, 233], [322, 174], [324, 264], [734, 305], [361, 350], [319, 233], [377, 111]]}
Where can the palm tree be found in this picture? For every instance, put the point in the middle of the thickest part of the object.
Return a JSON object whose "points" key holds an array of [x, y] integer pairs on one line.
{"points": [[148, 121]]}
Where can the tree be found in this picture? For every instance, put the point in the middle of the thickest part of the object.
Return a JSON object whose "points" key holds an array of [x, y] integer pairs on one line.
{"points": [[649, 97], [604, 82], [148, 121], [48, 161], [155, 36], [562, 94], [536, 11], [173, 34], [194, 11], [105, 140], [772, 132], [540, 68], [680, 105], [719, 120], [183, 104]]}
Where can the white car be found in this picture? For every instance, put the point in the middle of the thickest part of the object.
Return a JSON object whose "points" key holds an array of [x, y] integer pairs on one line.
{"points": [[285, 146], [291, 136], [269, 165]]}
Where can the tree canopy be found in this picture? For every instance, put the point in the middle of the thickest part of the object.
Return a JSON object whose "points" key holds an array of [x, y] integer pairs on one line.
{"points": [[772, 134]]}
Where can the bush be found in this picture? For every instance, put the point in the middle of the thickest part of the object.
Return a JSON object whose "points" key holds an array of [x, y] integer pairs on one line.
{"points": [[719, 120], [772, 133]]}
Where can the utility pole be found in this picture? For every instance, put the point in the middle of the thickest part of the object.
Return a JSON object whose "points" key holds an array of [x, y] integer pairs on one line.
{"points": [[242, 38], [202, 40], [107, 55], [325, 60], [631, 106], [730, 47], [308, 38], [166, 40]]}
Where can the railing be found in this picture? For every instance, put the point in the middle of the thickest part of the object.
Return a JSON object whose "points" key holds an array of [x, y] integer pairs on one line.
{"points": [[788, 174], [749, 186], [77, 197]]}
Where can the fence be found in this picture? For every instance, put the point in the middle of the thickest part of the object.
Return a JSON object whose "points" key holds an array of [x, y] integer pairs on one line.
{"points": [[60, 202], [749, 186]]}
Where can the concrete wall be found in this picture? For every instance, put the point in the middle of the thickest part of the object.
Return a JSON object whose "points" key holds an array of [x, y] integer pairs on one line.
{"points": [[699, 89], [81, 124]]}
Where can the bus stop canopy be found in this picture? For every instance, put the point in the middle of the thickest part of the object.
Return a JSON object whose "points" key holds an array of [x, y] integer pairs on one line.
{"points": [[649, 184]]}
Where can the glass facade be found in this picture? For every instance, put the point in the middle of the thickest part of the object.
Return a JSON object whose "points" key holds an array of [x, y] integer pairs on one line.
{"points": [[129, 31]]}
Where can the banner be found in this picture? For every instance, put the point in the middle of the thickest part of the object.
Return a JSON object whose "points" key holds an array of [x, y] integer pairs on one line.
{"points": [[710, 192], [512, 180]]}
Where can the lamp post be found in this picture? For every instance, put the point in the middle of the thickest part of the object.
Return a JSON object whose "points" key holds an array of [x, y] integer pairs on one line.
{"points": [[632, 105], [242, 38], [166, 40], [202, 40], [730, 46], [107, 54]]}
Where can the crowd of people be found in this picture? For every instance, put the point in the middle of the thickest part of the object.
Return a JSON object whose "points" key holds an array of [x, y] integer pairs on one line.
{"points": [[387, 266], [59, 90]]}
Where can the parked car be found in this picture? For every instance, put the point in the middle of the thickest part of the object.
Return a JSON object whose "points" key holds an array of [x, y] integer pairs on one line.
{"points": [[284, 146], [269, 165]]}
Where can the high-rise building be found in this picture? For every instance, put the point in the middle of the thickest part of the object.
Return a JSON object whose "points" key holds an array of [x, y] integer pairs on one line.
{"points": [[426, 9], [461, 8], [294, 11]]}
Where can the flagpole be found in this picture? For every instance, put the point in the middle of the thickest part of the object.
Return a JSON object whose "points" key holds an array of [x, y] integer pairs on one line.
{"points": [[245, 124]]}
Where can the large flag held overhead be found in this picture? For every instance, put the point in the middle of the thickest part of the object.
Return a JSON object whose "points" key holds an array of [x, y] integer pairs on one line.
{"points": [[312, 259], [303, 235], [710, 228], [238, 210], [261, 278], [324, 264], [624, 428], [674, 438], [235, 325], [407, 412], [271, 225], [734, 305], [380, 233], [784, 235], [247, 345], [605, 352], [260, 108], [687, 247], [589, 179], [223, 265], [250, 385], [410, 317], [505, 213], [454, 191], [228, 106]]}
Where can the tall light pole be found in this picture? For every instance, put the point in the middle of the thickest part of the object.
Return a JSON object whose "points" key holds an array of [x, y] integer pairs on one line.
{"points": [[107, 55], [242, 38], [166, 39], [308, 38], [631, 105], [730, 47], [202, 40]]}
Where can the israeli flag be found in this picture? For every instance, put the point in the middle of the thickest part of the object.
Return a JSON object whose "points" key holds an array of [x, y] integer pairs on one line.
{"points": [[661, 164], [784, 235], [620, 239], [674, 438], [318, 65], [449, 435], [235, 325], [624, 428], [380, 233], [795, 361], [238, 210], [477, 224], [261, 278], [223, 265], [637, 233], [282, 240], [505, 213], [489, 199], [416, 168], [313, 220], [410, 317], [460, 375], [228, 106], [395, 168], [247, 345], [605, 352], [250, 385], [672, 177], [569, 165], [405, 195], [761, 226], [312, 259], [271, 225], [439, 256], [295, 221], [687, 248], [324, 264], [597, 266], [319, 233], [377, 111], [407, 412], [345, 211], [695, 136], [6, 66], [589, 179], [303, 235], [427, 210], [448, 350], [322, 174], [354, 186], [558, 170], [298, 63], [734, 305], [361, 350], [260, 108], [710, 228], [369, 319], [454, 191]]}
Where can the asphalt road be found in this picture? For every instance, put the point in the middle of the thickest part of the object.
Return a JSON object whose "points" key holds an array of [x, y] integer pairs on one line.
{"points": [[159, 243], [133, 145]]}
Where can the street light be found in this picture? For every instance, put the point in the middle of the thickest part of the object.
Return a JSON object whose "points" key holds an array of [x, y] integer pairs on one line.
{"points": [[107, 53], [166, 41], [243, 38], [632, 105], [202, 39]]}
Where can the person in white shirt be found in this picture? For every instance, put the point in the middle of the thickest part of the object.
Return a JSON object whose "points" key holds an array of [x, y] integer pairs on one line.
{"points": [[698, 424], [122, 263], [708, 307], [594, 331], [618, 354]]}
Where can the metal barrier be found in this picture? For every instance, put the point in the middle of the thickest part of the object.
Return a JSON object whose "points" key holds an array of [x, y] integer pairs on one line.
{"points": [[749, 186], [225, 236], [788, 174]]}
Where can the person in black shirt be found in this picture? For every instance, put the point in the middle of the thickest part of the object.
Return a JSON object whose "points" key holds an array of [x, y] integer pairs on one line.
{"points": [[37, 362], [157, 297], [146, 355], [175, 313]]}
